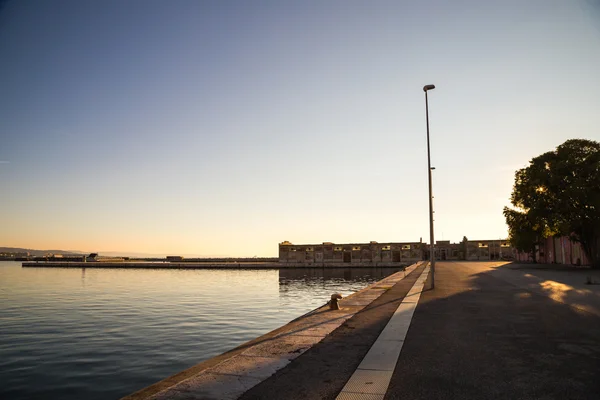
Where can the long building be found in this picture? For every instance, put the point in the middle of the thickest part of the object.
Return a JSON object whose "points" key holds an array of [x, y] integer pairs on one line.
{"points": [[371, 254], [376, 254]]}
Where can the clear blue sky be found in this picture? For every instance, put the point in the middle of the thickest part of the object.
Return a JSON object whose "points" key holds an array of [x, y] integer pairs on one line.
{"points": [[226, 127]]}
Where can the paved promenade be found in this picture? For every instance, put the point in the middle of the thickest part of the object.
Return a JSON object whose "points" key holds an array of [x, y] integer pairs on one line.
{"points": [[487, 331]]}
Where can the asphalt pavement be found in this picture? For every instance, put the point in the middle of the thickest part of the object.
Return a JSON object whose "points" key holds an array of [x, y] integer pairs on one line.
{"points": [[484, 332]]}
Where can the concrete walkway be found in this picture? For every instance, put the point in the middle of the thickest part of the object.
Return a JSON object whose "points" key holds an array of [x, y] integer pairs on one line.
{"points": [[485, 332], [372, 377]]}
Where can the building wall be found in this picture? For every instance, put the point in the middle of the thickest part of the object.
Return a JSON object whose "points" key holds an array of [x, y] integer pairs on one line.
{"points": [[353, 254], [380, 254], [557, 251], [444, 250], [498, 249], [552, 250]]}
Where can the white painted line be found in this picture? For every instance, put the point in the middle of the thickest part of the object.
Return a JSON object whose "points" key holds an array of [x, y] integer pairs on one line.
{"points": [[368, 381], [382, 356], [359, 396], [372, 377]]}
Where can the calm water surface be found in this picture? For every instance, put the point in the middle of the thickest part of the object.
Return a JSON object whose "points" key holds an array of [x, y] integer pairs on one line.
{"points": [[104, 333]]}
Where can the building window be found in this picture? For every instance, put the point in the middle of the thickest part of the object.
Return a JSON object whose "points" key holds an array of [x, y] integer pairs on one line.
{"points": [[355, 248], [386, 248], [337, 248], [406, 247], [505, 244], [483, 245], [309, 249]]}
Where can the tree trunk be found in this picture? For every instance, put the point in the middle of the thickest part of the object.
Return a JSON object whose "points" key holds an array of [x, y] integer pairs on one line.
{"points": [[590, 243], [594, 252]]}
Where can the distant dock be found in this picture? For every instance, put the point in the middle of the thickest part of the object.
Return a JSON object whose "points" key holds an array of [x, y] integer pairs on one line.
{"points": [[194, 265], [151, 265]]}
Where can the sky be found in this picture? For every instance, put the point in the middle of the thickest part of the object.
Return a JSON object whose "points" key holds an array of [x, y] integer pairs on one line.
{"points": [[222, 128]]}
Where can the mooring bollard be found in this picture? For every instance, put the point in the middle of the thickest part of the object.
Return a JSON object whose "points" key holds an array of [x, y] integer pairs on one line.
{"points": [[333, 303]]}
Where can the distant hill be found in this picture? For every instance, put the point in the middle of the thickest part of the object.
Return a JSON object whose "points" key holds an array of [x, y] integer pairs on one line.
{"points": [[34, 252]]}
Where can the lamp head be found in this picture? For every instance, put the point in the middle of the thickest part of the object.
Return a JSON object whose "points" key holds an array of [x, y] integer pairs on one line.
{"points": [[428, 87]]}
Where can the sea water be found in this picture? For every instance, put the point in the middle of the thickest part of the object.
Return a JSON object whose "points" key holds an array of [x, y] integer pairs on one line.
{"points": [[74, 333]]}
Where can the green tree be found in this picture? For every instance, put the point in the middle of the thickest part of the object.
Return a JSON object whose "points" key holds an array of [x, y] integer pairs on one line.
{"points": [[524, 234], [558, 194]]}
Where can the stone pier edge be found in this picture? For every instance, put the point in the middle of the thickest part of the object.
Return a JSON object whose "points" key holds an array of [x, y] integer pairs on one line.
{"points": [[203, 265]]}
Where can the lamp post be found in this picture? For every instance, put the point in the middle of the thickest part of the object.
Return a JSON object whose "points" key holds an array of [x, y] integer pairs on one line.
{"points": [[432, 245]]}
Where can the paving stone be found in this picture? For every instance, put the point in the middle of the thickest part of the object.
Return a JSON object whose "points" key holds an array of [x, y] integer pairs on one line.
{"points": [[359, 396], [405, 310], [383, 355], [256, 367], [289, 347], [336, 317], [172, 394], [412, 297], [359, 303], [316, 330], [394, 332], [209, 386], [364, 298], [368, 381]]}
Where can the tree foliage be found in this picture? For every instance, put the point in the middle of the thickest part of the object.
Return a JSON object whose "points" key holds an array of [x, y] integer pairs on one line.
{"points": [[558, 194], [524, 233]]}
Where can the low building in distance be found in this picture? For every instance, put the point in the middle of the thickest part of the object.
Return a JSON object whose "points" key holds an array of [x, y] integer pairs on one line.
{"points": [[370, 254], [374, 254]]}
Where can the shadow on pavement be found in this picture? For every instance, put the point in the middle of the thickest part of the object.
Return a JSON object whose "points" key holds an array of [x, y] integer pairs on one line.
{"points": [[476, 336]]}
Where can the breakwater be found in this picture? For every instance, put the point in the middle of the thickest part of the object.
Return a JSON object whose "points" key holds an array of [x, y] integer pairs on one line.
{"points": [[197, 265]]}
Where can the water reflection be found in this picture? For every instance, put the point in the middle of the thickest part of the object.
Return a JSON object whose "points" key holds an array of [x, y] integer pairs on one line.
{"points": [[286, 275], [104, 333], [305, 289]]}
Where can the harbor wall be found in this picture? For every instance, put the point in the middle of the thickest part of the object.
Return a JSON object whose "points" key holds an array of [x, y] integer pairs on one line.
{"points": [[189, 265]]}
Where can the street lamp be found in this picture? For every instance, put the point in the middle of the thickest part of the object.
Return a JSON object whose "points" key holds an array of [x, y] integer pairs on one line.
{"points": [[432, 245]]}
